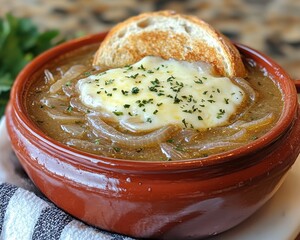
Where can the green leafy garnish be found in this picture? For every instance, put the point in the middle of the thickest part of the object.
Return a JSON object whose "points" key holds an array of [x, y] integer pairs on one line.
{"points": [[20, 42]]}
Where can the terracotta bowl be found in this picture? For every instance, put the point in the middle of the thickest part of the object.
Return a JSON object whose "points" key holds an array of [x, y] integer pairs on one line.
{"points": [[168, 200]]}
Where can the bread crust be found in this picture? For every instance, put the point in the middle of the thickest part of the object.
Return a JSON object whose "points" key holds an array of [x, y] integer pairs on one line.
{"points": [[169, 35]]}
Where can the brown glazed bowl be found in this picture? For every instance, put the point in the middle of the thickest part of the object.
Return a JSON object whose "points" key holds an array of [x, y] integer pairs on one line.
{"points": [[166, 200]]}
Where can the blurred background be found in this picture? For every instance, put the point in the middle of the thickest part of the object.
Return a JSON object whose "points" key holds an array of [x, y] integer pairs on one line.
{"points": [[271, 26]]}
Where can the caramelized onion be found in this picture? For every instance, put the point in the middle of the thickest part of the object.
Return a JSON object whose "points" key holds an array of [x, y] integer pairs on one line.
{"points": [[212, 145], [147, 140], [259, 123], [61, 97], [186, 135], [134, 124], [69, 91], [48, 77], [72, 73], [77, 104], [247, 87], [240, 135], [172, 153], [56, 103], [236, 124], [65, 118], [73, 129]]}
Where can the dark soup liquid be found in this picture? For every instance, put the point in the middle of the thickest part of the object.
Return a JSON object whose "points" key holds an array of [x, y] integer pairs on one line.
{"points": [[65, 103]]}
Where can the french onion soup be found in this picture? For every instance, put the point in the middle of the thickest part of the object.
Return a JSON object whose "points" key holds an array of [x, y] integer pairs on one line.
{"points": [[152, 110]]}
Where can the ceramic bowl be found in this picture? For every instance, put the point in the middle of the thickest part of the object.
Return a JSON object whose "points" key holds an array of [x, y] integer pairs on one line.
{"points": [[167, 200]]}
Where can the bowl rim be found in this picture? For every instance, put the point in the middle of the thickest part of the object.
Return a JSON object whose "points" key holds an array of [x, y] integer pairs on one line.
{"points": [[94, 161]]}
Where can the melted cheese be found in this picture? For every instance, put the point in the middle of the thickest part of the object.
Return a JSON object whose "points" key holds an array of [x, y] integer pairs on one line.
{"points": [[154, 92]]}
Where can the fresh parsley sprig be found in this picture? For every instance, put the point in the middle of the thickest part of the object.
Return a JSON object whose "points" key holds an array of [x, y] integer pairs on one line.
{"points": [[20, 42]]}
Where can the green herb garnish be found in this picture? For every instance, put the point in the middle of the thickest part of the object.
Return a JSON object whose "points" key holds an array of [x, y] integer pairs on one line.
{"points": [[117, 149], [135, 90], [70, 109], [118, 113], [220, 113]]}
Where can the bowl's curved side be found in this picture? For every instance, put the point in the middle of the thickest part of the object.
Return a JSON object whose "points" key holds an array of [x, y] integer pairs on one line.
{"points": [[147, 199], [20, 88], [159, 205]]}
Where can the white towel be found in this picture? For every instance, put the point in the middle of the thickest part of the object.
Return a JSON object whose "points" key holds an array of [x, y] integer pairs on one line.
{"points": [[26, 214]]}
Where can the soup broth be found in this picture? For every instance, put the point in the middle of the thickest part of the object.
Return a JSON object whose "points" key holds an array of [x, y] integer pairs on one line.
{"points": [[54, 104]]}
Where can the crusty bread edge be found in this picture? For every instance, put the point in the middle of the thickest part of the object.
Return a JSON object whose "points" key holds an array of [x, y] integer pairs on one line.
{"points": [[238, 68]]}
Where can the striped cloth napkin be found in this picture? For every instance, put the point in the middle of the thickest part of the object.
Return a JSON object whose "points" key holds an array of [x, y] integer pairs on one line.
{"points": [[26, 214]]}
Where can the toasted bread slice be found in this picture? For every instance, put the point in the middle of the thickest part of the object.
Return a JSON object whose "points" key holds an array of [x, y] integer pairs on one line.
{"points": [[169, 35]]}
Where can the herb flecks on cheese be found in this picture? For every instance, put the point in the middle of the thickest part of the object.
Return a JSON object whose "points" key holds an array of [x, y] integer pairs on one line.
{"points": [[155, 92]]}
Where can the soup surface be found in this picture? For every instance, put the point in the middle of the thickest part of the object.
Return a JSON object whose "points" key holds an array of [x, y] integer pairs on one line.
{"points": [[153, 110]]}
